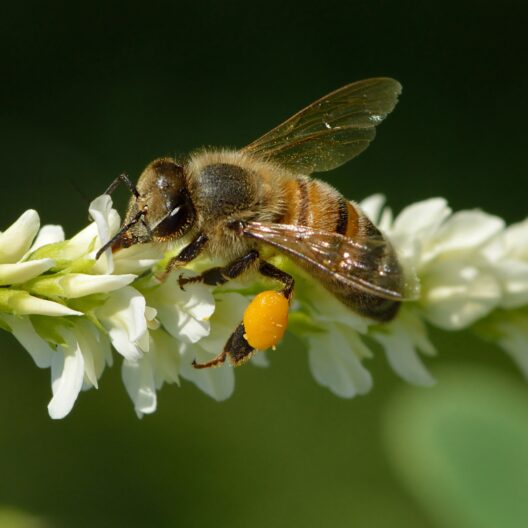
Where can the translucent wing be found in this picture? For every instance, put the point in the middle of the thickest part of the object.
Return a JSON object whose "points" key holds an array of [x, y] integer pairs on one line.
{"points": [[369, 265], [332, 130]]}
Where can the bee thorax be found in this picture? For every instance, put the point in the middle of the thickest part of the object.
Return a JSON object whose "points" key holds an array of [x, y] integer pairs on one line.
{"points": [[221, 189]]}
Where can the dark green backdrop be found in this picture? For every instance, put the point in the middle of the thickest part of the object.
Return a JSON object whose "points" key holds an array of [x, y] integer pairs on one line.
{"points": [[89, 90]]}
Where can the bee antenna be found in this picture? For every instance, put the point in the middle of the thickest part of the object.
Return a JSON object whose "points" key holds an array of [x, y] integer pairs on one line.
{"points": [[79, 189], [122, 178]]}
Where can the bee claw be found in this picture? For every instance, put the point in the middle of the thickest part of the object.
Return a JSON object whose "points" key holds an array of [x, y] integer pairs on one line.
{"points": [[215, 362], [182, 281]]}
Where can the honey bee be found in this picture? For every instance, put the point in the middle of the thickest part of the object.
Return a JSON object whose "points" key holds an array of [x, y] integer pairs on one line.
{"points": [[242, 206]]}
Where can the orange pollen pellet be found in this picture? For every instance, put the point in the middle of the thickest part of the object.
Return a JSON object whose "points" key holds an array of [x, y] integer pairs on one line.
{"points": [[266, 319]]}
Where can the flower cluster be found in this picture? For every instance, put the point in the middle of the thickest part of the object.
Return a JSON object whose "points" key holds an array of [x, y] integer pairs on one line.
{"points": [[472, 272], [69, 309]]}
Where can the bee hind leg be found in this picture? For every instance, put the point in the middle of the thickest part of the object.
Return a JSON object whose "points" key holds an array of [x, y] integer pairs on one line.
{"points": [[237, 350], [271, 271]]}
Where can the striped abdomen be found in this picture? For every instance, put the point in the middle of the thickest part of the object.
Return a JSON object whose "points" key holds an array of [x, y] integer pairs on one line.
{"points": [[313, 203]]}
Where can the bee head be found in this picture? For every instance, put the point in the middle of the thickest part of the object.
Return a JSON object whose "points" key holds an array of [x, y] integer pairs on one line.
{"points": [[163, 210]]}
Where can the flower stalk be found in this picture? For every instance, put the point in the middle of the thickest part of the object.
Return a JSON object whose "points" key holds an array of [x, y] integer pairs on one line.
{"points": [[74, 313]]}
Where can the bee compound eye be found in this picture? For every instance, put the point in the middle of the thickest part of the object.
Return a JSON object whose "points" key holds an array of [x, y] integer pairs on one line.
{"points": [[177, 222]]}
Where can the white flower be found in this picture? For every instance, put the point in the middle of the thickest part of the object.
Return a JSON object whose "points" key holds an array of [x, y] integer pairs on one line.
{"points": [[447, 253], [172, 319], [76, 364], [42, 274], [15, 242], [508, 257], [335, 357], [402, 339], [23, 330], [124, 318], [464, 270], [17, 239], [457, 287], [218, 383], [146, 375], [335, 347]]}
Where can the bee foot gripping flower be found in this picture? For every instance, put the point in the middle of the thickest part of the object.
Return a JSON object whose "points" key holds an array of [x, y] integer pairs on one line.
{"points": [[70, 310]]}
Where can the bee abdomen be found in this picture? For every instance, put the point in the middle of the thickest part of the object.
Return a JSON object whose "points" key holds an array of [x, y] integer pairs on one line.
{"points": [[316, 204]]}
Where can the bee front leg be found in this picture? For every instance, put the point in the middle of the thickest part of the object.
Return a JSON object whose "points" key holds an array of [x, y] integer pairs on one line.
{"points": [[186, 255], [237, 350]]}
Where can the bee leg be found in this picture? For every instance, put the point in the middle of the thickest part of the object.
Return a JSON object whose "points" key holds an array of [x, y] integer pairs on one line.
{"points": [[186, 255], [237, 350], [215, 362], [269, 270], [221, 275]]}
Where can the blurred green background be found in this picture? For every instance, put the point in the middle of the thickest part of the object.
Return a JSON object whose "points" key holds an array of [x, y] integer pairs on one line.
{"points": [[89, 90]]}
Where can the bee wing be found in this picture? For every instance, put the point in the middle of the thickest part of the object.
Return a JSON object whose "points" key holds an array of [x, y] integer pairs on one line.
{"points": [[332, 130], [357, 264]]}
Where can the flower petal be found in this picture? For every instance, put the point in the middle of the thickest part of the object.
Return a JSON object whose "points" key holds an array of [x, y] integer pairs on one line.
{"points": [[17, 239], [335, 365], [516, 240], [372, 206], [422, 219], [182, 325], [23, 271], [25, 304], [464, 231], [101, 211], [229, 311], [183, 313], [126, 307], [123, 316], [219, 383], [137, 258], [82, 243], [77, 285], [513, 276], [138, 378], [402, 355], [67, 373], [48, 234], [198, 301], [94, 350], [165, 350], [455, 294], [26, 335]]}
